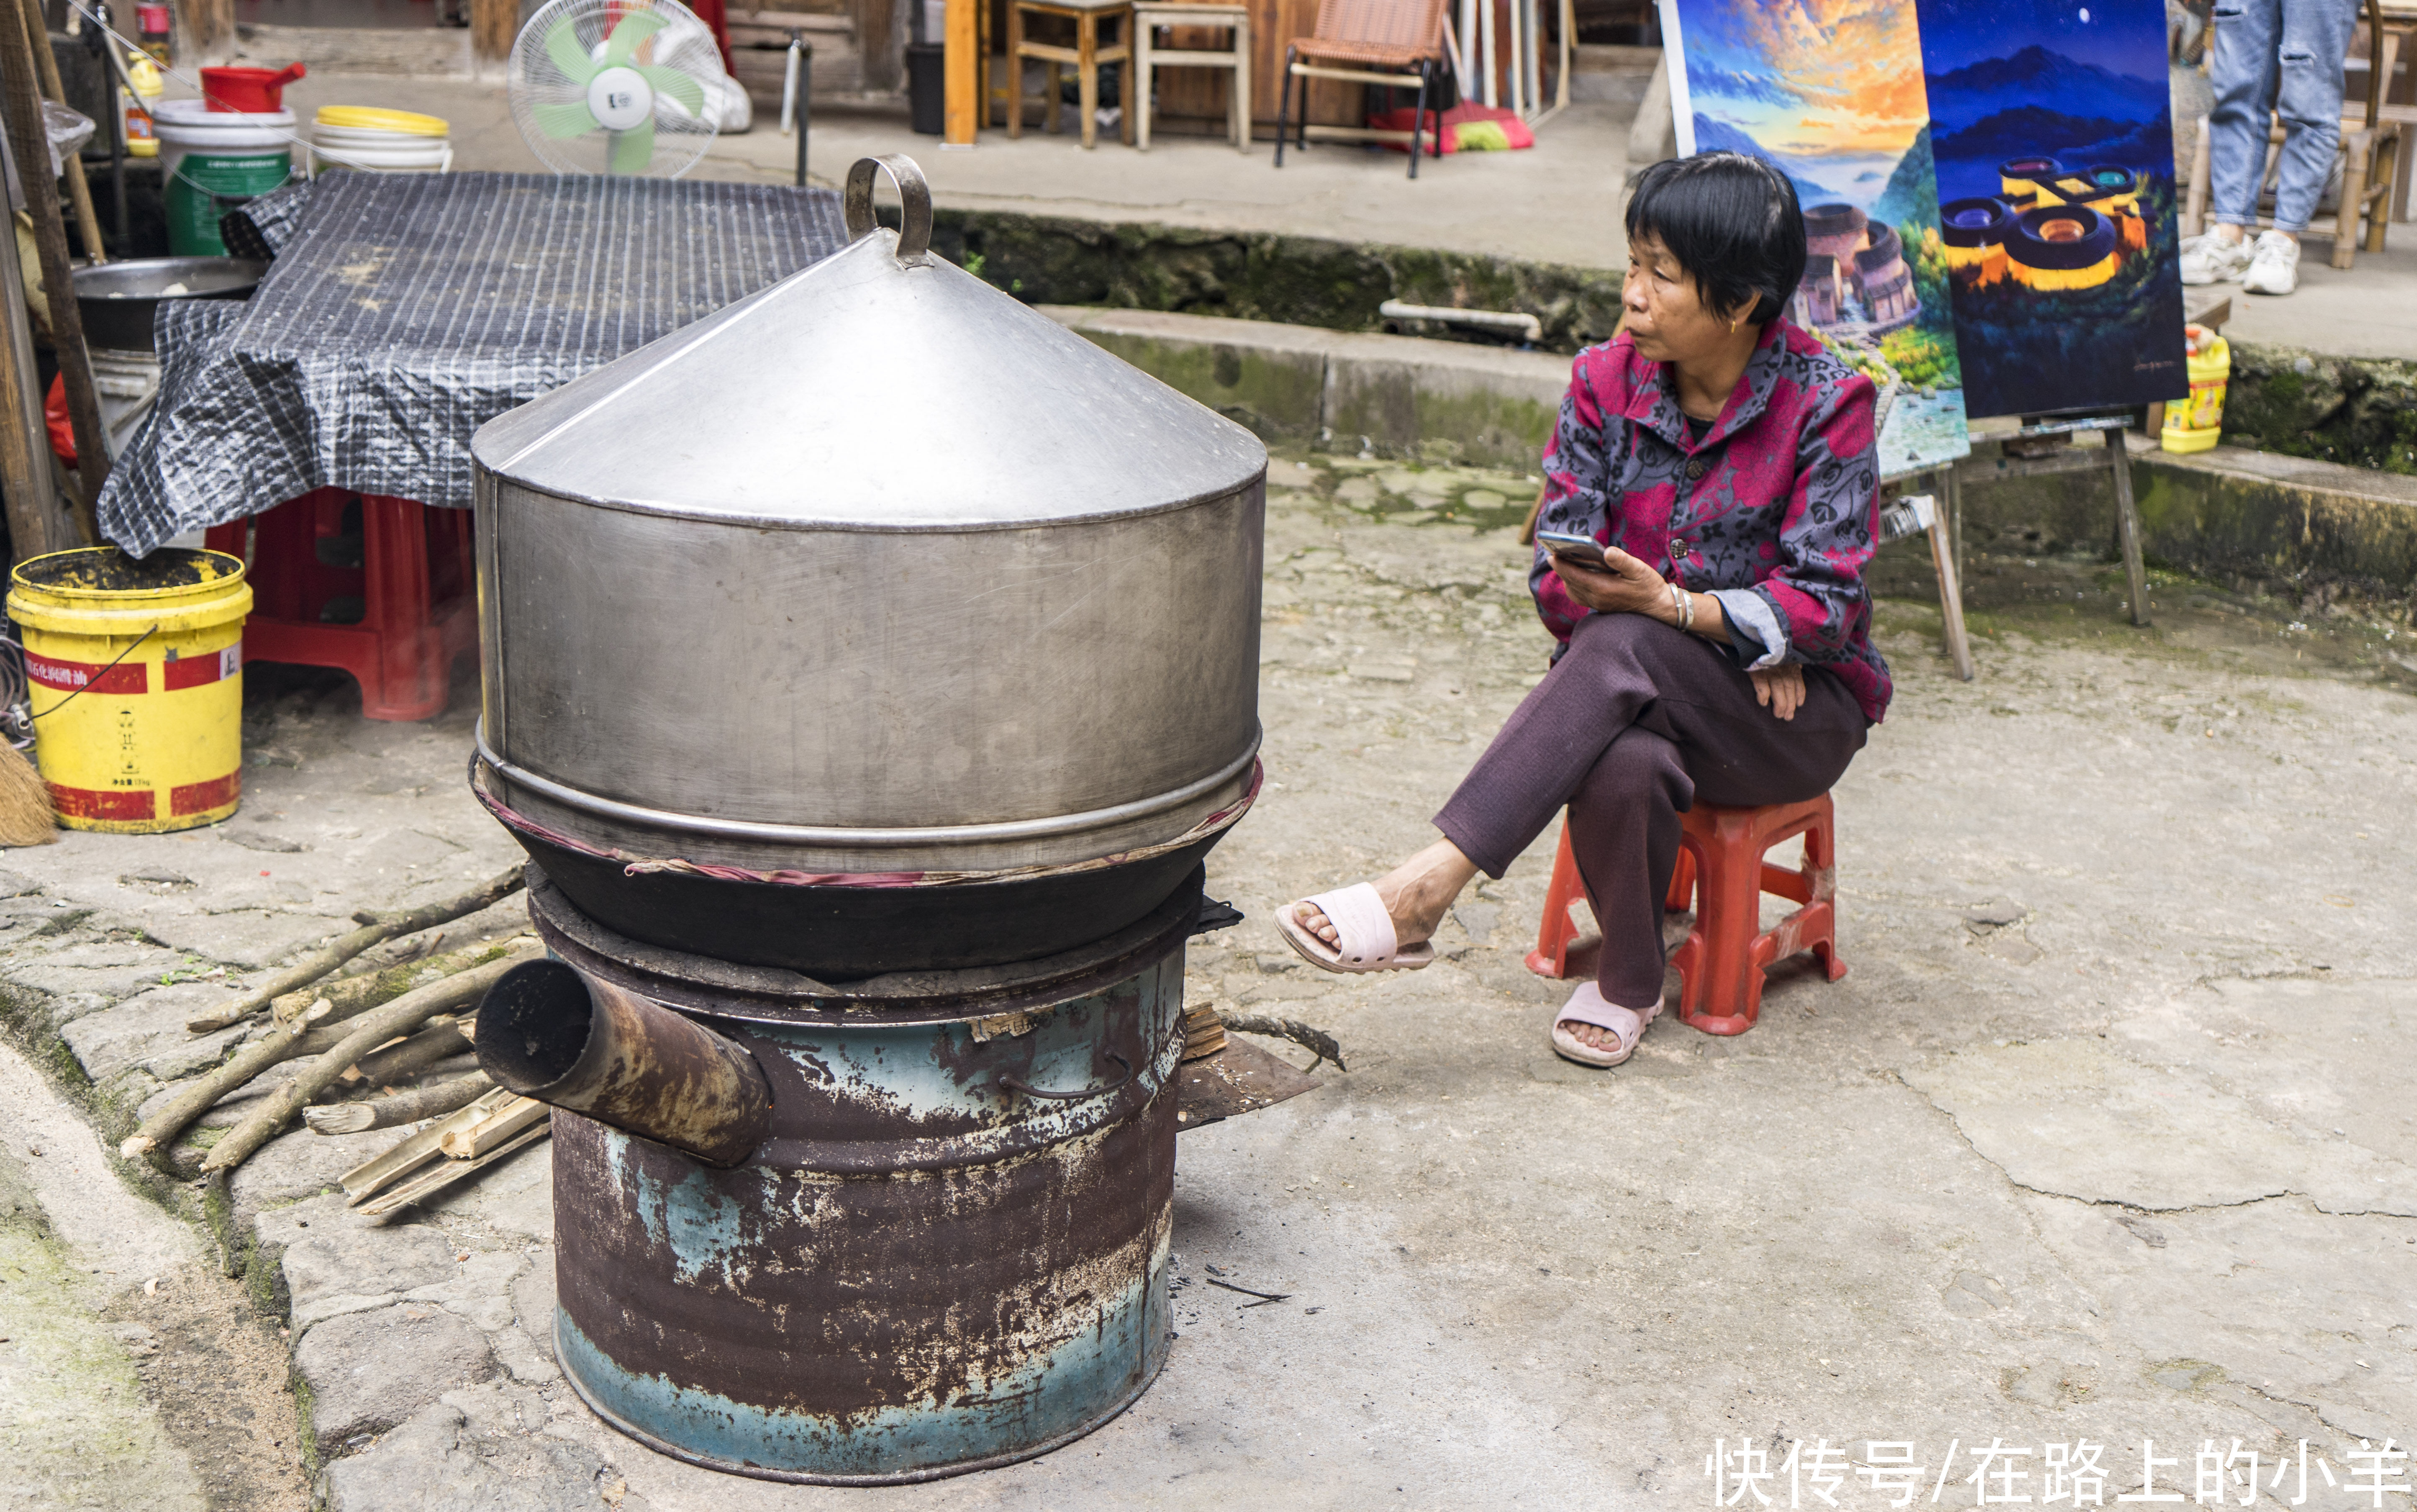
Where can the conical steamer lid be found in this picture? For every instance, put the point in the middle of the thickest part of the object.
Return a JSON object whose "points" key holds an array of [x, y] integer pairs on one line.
{"points": [[882, 388]]}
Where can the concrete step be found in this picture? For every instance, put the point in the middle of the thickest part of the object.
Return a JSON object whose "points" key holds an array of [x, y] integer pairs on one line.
{"points": [[2228, 510]]}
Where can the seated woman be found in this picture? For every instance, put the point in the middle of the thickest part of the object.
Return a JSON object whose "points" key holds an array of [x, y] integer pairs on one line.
{"points": [[1726, 462]]}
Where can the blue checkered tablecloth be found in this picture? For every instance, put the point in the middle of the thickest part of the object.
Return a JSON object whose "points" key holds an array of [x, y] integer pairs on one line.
{"points": [[404, 311]]}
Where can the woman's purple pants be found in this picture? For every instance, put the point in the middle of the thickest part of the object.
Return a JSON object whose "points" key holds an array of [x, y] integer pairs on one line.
{"points": [[1633, 725]]}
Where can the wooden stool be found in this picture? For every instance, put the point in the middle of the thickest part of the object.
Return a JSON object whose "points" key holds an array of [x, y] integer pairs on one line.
{"points": [[1147, 16], [1723, 961], [1087, 54]]}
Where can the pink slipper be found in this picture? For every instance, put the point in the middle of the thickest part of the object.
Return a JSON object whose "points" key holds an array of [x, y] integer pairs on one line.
{"points": [[1363, 928], [1587, 1006]]}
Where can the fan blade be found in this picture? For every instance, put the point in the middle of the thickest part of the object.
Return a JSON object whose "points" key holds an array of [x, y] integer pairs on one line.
{"points": [[565, 120], [680, 87], [628, 32], [562, 45], [634, 148]]}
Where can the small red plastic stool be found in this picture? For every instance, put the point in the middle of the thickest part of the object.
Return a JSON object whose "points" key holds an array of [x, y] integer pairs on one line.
{"points": [[1723, 959], [409, 573]]}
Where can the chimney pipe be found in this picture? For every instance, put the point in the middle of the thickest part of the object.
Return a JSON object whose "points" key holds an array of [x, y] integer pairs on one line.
{"points": [[551, 1032]]}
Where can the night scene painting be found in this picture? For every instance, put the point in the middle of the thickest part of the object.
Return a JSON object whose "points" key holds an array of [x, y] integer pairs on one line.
{"points": [[1831, 91], [2054, 143]]}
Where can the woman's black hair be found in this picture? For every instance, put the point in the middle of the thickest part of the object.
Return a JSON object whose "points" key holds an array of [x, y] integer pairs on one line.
{"points": [[1733, 224]]}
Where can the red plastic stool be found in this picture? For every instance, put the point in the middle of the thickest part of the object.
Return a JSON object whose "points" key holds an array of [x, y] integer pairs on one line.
{"points": [[414, 584], [1725, 956]]}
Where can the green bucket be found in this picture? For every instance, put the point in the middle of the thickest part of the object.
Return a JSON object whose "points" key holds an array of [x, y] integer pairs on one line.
{"points": [[214, 161]]}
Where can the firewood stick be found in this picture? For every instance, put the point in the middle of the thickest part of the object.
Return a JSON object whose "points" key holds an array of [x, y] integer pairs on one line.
{"points": [[350, 995], [1316, 1041], [374, 929], [402, 1108], [376, 1027], [21, 97], [442, 1040], [46, 63], [286, 1044]]}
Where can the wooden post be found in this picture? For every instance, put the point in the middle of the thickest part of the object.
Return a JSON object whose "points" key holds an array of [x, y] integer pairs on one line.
{"points": [[493, 24], [46, 63], [1951, 600], [33, 154], [2127, 526], [959, 61], [206, 24]]}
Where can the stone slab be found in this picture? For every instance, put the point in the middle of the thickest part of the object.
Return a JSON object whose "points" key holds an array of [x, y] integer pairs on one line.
{"points": [[368, 1372]]}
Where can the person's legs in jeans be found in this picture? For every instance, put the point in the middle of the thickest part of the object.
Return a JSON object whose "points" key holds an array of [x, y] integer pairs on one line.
{"points": [[2314, 41], [2244, 67], [2272, 58]]}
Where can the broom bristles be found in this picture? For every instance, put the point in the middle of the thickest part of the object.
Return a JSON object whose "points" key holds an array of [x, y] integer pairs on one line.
{"points": [[25, 817]]}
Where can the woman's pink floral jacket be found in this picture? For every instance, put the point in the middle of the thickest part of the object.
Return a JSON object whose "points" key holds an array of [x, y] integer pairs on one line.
{"points": [[1781, 496]]}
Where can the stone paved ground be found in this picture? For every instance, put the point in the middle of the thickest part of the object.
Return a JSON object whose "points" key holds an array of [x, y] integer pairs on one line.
{"points": [[2107, 1137]]}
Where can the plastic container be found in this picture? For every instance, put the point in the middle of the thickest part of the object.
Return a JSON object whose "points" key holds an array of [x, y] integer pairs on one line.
{"points": [[153, 22], [368, 139], [248, 91], [216, 160], [142, 135], [2195, 423], [136, 674]]}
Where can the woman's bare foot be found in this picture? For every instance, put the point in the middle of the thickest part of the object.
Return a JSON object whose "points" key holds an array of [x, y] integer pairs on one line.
{"points": [[1416, 894]]}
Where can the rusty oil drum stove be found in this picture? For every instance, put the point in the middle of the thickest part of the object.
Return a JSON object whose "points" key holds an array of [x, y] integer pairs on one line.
{"points": [[867, 1183]]}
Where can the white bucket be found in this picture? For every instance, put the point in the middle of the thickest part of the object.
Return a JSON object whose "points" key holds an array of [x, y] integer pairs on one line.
{"points": [[233, 157], [392, 152], [373, 140]]}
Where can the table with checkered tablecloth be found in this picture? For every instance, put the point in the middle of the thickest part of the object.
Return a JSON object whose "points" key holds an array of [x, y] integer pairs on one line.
{"points": [[402, 312]]}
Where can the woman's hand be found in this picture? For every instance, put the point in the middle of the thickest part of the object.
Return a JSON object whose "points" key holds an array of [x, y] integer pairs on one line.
{"points": [[1629, 588], [1780, 689]]}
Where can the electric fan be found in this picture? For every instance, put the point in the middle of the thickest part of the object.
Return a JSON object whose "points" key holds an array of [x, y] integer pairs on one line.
{"points": [[617, 87]]}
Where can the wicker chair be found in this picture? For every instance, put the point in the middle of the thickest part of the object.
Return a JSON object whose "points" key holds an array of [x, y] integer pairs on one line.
{"points": [[1396, 44]]}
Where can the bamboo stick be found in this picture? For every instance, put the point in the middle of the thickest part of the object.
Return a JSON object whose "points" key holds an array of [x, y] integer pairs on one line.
{"points": [[375, 929], [37, 524], [376, 1027]]}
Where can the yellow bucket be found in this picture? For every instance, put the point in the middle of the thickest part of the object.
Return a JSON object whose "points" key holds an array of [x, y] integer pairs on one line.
{"points": [[135, 669], [2194, 424]]}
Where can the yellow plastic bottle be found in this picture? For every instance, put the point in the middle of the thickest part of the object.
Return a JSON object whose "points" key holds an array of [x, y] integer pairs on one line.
{"points": [[141, 136], [2194, 424]]}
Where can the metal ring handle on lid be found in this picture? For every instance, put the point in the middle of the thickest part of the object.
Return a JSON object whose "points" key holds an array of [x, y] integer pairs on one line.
{"points": [[1016, 1083], [914, 205]]}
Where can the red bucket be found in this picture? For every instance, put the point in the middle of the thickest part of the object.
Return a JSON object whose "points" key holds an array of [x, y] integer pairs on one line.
{"points": [[248, 91]]}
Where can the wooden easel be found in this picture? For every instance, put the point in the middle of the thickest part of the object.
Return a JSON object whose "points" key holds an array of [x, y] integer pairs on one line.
{"points": [[2112, 457], [1910, 513]]}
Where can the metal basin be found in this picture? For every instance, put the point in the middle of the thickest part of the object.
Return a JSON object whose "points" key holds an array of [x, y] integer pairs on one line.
{"points": [[116, 300]]}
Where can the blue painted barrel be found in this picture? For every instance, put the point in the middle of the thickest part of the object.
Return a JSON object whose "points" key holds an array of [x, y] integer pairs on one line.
{"points": [[951, 1253]]}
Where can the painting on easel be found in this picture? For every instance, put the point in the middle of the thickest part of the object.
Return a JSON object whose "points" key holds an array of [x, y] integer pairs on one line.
{"points": [[2054, 143], [1830, 91]]}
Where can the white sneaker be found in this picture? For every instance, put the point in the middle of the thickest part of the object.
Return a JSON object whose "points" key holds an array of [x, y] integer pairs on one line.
{"points": [[2274, 266], [2212, 259]]}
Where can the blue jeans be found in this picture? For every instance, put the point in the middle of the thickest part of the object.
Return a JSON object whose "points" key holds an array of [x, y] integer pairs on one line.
{"points": [[2283, 56]]}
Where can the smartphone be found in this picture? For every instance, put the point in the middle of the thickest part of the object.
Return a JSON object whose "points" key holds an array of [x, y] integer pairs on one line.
{"points": [[1578, 548]]}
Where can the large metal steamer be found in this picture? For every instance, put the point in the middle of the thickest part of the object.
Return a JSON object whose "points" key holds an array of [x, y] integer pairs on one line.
{"points": [[867, 669], [876, 621]]}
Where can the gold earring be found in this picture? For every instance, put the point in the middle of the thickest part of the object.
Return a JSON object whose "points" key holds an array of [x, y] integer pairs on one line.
{"points": [[1734, 324]]}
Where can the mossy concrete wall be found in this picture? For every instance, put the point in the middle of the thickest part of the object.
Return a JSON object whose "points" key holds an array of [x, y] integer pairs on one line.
{"points": [[1302, 281], [1395, 395], [2357, 410], [2228, 514]]}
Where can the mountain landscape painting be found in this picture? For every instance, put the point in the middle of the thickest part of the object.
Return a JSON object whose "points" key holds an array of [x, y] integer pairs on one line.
{"points": [[2053, 141], [1831, 91]]}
